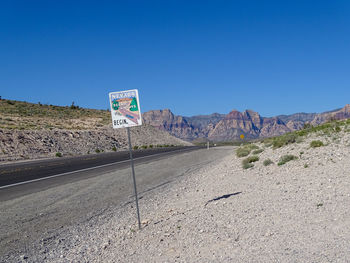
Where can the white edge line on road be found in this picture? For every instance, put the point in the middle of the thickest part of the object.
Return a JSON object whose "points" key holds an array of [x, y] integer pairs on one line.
{"points": [[81, 170]]}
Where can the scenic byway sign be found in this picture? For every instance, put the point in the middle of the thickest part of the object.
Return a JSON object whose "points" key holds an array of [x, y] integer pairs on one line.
{"points": [[125, 108], [126, 113]]}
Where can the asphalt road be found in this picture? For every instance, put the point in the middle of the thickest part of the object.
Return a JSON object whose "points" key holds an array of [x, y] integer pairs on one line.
{"points": [[38, 211], [17, 173]]}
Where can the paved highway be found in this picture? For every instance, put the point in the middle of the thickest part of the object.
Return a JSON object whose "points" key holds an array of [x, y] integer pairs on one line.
{"points": [[37, 212], [15, 174]]}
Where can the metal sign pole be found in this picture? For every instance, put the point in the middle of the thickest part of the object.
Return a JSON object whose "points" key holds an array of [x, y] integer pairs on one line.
{"points": [[134, 179]]}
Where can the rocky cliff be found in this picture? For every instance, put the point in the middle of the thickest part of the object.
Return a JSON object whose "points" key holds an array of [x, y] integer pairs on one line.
{"points": [[220, 127]]}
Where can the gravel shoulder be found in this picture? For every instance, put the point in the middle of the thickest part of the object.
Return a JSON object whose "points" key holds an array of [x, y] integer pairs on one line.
{"points": [[223, 213], [36, 224]]}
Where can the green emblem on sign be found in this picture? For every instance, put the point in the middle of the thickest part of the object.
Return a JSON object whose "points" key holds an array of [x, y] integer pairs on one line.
{"points": [[133, 105], [115, 105]]}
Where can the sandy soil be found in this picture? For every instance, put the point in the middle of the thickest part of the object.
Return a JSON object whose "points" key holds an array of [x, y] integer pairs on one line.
{"points": [[223, 213]]}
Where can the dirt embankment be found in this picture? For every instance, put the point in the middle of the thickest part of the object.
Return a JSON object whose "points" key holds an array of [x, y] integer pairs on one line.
{"points": [[33, 144], [35, 130]]}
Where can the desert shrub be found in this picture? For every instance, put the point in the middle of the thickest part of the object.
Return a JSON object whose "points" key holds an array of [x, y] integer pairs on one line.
{"points": [[268, 144], [242, 152], [246, 150], [317, 143], [286, 158], [251, 159], [299, 139], [58, 154], [257, 151], [73, 106], [307, 126], [252, 146], [283, 140], [247, 165], [267, 162]]}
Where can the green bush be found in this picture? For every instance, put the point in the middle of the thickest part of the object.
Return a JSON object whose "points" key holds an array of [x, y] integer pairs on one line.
{"points": [[286, 158], [151, 146], [114, 149], [247, 165], [252, 146], [317, 143], [246, 150], [251, 159], [144, 146], [97, 151], [258, 151], [283, 140], [267, 162], [242, 152], [337, 129], [58, 154], [135, 147]]}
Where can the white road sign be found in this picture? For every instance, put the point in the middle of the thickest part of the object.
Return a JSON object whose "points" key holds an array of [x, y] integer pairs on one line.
{"points": [[125, 108]]}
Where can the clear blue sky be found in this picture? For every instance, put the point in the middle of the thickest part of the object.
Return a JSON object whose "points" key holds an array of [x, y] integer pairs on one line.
{"points": [[194, 57]]}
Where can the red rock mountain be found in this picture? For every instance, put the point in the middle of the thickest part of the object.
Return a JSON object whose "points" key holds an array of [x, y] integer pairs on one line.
{"points": [[220, 127]]}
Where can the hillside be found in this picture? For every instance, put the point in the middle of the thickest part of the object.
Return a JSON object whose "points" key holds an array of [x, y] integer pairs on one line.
{"points": [[29, 131], [219, 127]]}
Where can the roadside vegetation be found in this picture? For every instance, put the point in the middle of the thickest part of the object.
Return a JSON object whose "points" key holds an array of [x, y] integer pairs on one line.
{"points": [[286, 158], [248, 162], [315, 144], [267, 162], [246, 150], [33, 116], [330, 131], [257, 151], [327, 129]]}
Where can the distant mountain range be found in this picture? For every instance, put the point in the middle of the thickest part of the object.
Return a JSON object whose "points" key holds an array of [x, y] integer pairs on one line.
{"points": [[228, 127]]}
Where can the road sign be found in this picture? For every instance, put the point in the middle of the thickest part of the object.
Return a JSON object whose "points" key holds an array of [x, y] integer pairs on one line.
{"points": [[125, 108], [126, 113]]}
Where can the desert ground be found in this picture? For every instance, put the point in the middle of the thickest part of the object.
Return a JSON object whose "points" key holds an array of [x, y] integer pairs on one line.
{"points": [[221, 212]]}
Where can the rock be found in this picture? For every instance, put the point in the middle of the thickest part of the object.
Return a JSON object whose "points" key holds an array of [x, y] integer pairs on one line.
{"points": [[220, 127]]}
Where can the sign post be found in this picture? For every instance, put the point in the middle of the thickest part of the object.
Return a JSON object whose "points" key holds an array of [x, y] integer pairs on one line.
{"points": [[126, 113]]}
